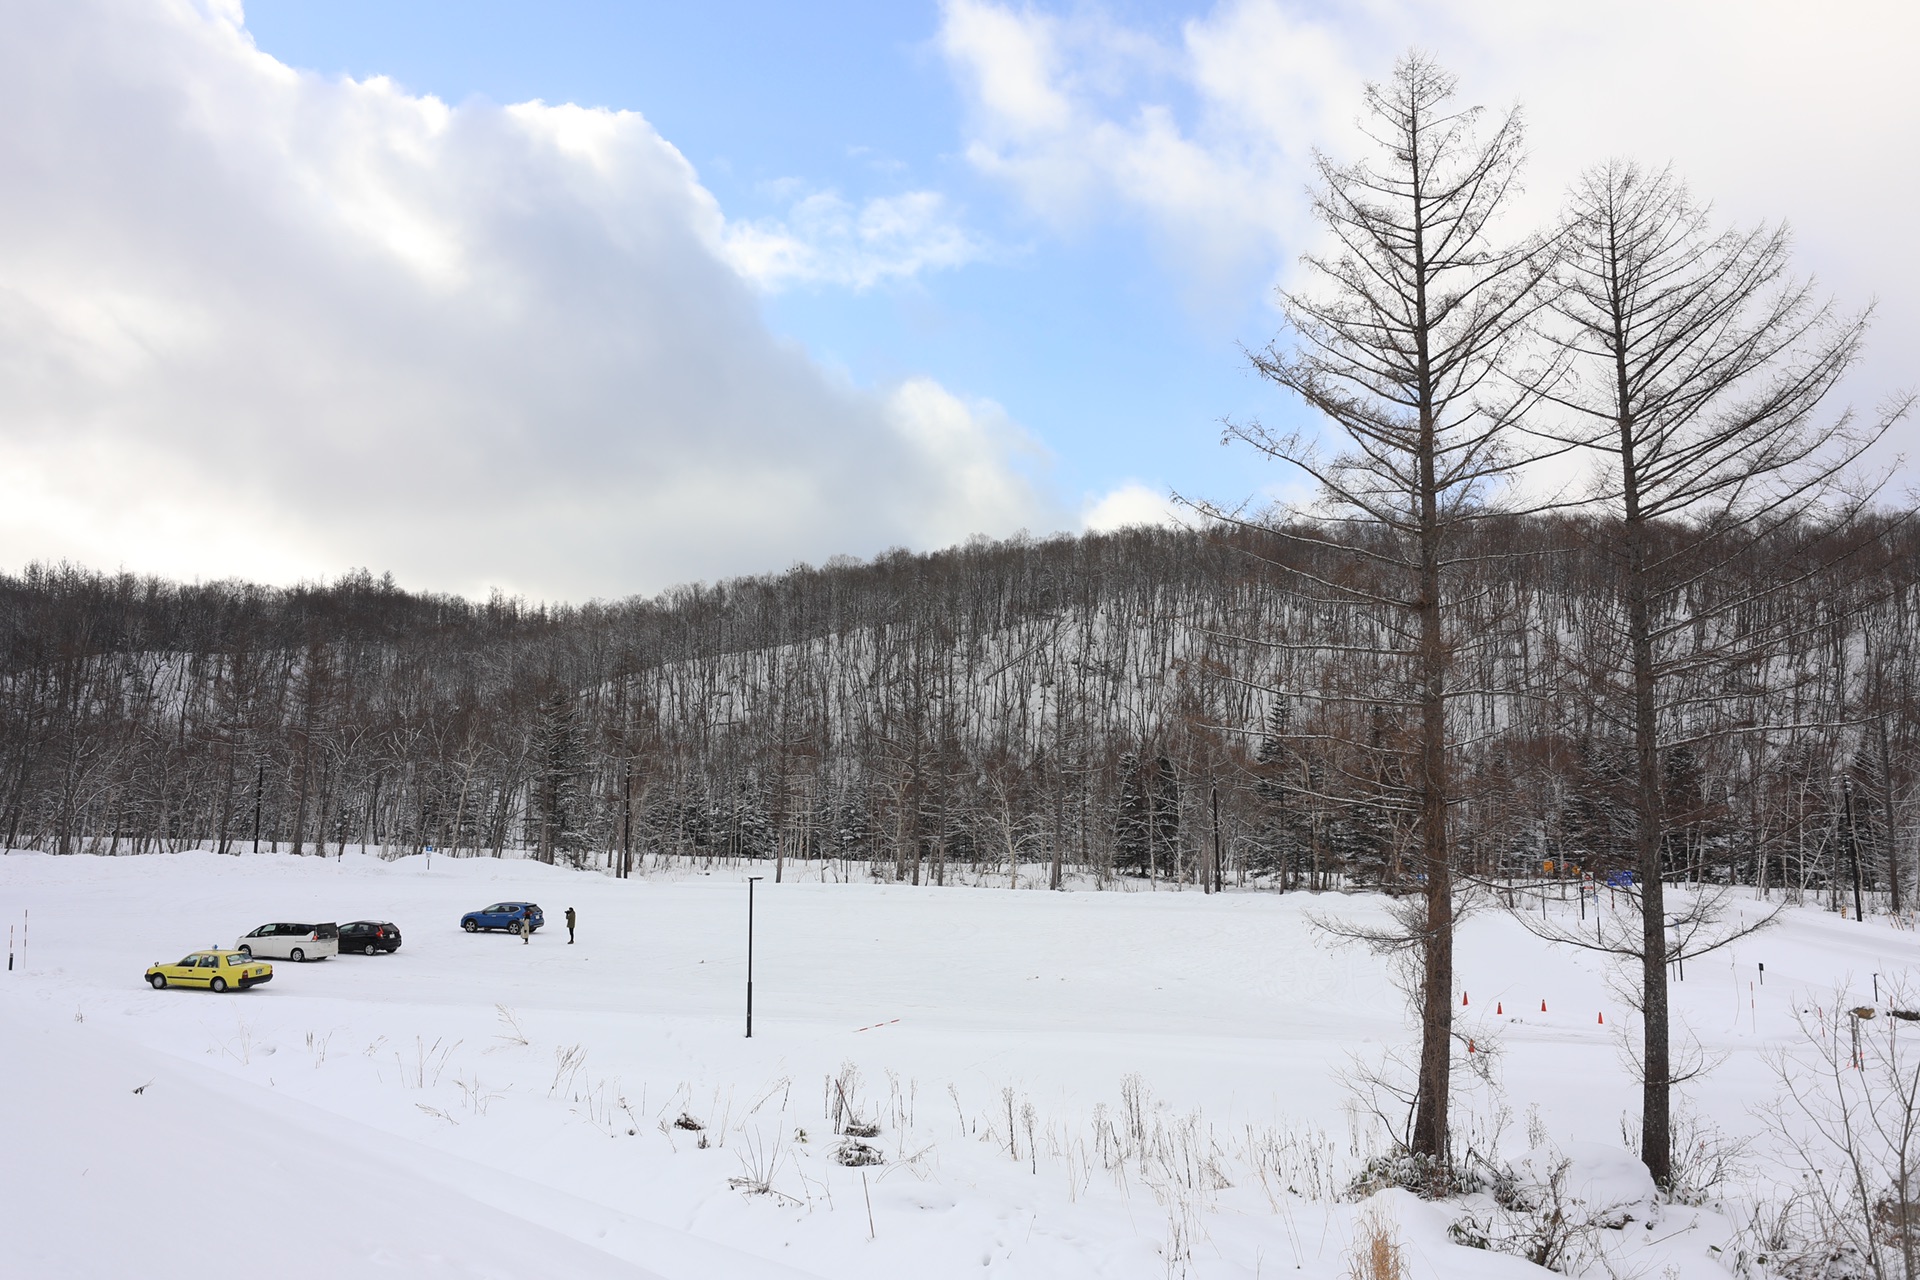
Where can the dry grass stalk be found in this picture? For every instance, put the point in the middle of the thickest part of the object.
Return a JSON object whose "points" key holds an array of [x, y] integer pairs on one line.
{"points": [[1376, 1253]]}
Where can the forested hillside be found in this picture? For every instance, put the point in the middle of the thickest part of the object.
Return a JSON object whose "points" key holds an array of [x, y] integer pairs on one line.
{"points": [[1184, 706]]}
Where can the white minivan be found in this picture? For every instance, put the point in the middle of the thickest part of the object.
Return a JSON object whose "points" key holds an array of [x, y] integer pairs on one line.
{"points": [[294, 942]]}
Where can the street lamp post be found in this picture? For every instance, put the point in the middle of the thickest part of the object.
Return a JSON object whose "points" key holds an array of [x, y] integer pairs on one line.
{"points": [[750, 880], [1853, 847]]}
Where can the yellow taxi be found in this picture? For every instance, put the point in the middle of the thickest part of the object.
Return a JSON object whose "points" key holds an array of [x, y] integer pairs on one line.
{"points": [[216, 970]]}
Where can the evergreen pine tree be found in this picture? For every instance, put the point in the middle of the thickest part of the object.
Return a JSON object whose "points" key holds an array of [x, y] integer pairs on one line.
{"points": [[560, 766], [1130, 832]]}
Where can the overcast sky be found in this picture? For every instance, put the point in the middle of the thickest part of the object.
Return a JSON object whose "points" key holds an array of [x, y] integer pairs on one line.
{"points": [[586, 298]]}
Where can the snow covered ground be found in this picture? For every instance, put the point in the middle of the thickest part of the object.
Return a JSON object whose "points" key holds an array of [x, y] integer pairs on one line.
{"points": [[1065, 1085]]}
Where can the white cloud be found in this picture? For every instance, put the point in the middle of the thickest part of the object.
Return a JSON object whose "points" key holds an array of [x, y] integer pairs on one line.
{"points": [[261, 322], [1773, 109], [825, 240], [1209, 140], [1127, 505], [969, 441]]}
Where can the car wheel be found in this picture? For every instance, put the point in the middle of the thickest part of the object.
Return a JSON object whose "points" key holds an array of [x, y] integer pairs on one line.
{"points": [[297, 956], [247, 952], [371, 949], [218, 984], [471, 926], [158, 980]]}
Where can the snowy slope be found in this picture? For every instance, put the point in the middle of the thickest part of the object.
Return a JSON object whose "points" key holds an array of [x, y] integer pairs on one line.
{"points": [[1085, 1084]]}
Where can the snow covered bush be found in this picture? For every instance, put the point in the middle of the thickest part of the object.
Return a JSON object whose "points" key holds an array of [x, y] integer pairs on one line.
{"points": [[1706, 1160], [1557, 1209], [855, 1154]]}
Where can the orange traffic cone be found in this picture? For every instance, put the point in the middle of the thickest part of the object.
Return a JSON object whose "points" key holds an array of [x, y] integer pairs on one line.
{"points": [[1602, 1019], [1543, 1006], [1463, 999], [1498, 1009], [1469, 1045]]}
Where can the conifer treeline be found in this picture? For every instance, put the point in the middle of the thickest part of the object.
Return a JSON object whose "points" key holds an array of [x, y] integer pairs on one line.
{"points": [[1149, 702]]}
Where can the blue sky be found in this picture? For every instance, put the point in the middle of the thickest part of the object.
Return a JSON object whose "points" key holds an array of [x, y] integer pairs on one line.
{"points": [[578, 298]]}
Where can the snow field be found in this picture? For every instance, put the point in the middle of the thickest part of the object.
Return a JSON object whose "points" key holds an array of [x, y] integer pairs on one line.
{"points": [[1083, 1084]]}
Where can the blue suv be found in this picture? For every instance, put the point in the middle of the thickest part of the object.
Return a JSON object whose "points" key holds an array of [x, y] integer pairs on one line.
{"points": [[504, 915]]}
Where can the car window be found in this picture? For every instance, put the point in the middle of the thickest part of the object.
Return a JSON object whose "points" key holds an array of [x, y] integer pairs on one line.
{"points": [[497, 908], [209, 962], [187, 963], [238, 960]]}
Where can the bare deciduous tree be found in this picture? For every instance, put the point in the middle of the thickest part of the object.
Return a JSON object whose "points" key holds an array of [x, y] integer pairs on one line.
{"points": [[1698, 368], [1398, 342]]}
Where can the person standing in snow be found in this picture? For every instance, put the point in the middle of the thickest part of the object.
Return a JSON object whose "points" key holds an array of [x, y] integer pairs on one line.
{"points": [[526, 925], [570, 919]]}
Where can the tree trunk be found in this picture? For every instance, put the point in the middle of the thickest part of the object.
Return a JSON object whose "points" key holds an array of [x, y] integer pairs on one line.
{"points": [[300, 804], [1656, 1131], [1887, 810], [459, 812], [1431, 1103], [626, 821]]}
